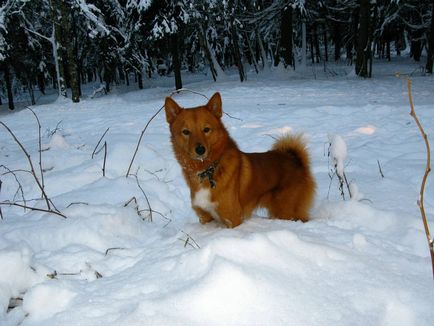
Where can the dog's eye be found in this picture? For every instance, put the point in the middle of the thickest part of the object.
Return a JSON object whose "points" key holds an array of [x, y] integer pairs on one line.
{"points": [[206, 130], [186, 132]]}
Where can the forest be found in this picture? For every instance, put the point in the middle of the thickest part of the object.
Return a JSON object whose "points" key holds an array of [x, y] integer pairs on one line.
{"points": [[65, 44]]}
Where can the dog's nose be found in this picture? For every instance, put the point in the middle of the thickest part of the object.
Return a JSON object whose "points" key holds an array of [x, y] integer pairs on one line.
{"points": [[200, 150]]}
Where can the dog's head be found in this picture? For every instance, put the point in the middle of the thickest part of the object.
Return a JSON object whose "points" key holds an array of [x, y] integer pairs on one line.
{"points": [[197, 132]]}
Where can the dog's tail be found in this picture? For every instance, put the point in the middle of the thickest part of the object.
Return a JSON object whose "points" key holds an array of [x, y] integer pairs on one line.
{"points": [[295, 146]]}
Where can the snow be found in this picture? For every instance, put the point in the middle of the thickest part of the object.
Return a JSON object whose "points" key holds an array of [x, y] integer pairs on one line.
{"points": [[338, 153], [363, 261]]}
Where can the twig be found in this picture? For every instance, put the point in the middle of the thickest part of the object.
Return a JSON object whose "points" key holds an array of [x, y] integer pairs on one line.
{"points": [[188, 240], [44, 195], [379, 168], [99, 141], [105, 159], [140, 139], [20, 188], [1, 213], [40, 146], [348, 185], [114, 248], [144, 194], [51, 133], [7, 203], [232, 117], [77, 203], [420, 202], [188, 90]]}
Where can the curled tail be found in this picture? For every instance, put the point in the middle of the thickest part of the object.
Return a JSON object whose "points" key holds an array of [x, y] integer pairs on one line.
{"points": [[295, 146]]}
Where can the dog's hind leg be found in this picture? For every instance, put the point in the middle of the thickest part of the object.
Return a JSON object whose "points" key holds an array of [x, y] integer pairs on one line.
{"points": [[289, 205]]}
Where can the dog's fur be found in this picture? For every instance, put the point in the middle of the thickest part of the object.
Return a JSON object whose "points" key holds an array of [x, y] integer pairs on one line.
{"points": [[227, 184]]}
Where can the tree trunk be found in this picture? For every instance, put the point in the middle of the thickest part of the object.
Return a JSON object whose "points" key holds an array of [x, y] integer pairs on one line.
{"points": [[176, 62], [8, 83], [41, 82], [127, 79], [140, 80], [326, 47], [232, 6], [312, 54], [316, 43], [69, 28], [237, 52], [57, 44], [429, 59], [252, 54], [262, 49], [363, 48], [303, 44], [31, 92], [286, 45], [337, 39], [213, 63]]}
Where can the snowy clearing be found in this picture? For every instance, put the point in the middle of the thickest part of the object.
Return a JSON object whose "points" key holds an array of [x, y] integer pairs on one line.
{"points": [[363, 262]]}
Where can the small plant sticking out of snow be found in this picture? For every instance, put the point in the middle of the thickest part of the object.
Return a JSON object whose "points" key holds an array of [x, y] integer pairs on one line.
{"points": [[337, 154], [57, 141]]}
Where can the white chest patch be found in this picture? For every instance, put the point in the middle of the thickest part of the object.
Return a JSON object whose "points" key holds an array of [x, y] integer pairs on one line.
{"points": [[202, 199]]}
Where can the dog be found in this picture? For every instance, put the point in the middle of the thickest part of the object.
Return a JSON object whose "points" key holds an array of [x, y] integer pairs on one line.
{"points": [[227, 184]]}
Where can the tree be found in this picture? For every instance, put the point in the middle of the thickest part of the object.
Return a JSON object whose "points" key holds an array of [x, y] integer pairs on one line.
{"points": [[430, 54], [286, 35], [363, 39]]}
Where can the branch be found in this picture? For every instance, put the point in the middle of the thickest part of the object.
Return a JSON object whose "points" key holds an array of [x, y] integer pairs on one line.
{"points": [[144, 194], [20, 187], [99, 141], [7, 203], [40, 146], [44, 195], [140, 139], [420, 202]]}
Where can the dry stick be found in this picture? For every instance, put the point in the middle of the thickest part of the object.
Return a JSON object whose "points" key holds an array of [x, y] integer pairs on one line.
{"points": [[348, 185], [40, 146], [140, 139], [144, 194], [93, 153], [379, 168], [425, 176], [188, 242], [114, 248], [20, 187], [1, 213], [44, 195], [7, 203], [77, 203], [188, 90], [105, 159]]}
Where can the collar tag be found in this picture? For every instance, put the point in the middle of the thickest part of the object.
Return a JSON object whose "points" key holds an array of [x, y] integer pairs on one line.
{"points": [[209, 174]]}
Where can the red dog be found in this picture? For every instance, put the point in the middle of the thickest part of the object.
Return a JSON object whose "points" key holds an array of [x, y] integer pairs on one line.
{"points": [[227, 184]]}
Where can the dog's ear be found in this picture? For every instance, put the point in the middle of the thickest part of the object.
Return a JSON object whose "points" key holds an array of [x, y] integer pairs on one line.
{"points": [[172, 109], [215, 105]]}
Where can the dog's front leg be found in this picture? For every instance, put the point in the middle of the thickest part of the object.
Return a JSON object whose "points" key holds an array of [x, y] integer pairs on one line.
{"points": [[204, 216]]}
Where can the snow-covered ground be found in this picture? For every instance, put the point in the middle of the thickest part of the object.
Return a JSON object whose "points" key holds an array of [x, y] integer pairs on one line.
{"points": [[357, 262]]}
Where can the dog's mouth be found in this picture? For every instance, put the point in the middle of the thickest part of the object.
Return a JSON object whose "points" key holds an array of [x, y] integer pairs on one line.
{"points": [[201, 158]]}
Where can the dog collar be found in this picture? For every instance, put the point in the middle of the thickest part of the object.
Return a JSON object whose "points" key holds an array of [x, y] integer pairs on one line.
{"points": [[208, 173]]}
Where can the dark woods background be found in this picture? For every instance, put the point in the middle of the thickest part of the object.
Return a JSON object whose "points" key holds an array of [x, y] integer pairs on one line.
{"points": [[65, 44]]}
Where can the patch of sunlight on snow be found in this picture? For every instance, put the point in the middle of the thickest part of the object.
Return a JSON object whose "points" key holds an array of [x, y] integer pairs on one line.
{"points": [[367, 130]]}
